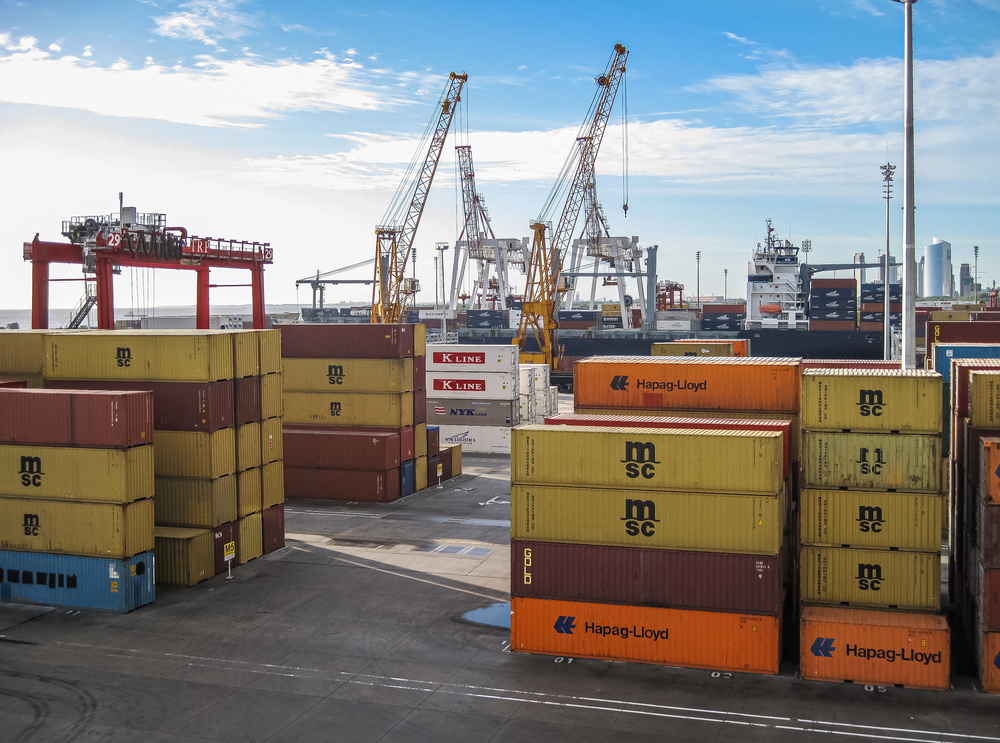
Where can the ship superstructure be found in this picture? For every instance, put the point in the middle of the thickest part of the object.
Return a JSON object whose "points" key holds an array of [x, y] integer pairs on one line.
{"points": [[775, 299]]}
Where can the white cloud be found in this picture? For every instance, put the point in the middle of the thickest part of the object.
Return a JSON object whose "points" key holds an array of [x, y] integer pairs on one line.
{"points": [[87, 51], [741, 39], [867, 7], [24, 44], [55, 48], [206, 21]]}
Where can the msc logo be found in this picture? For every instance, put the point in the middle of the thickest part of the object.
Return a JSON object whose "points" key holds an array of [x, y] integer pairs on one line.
{"points": [[620, 383], [640, 453], [875, 466], [31, 471], [640, 517], [335, 408], [871, 402], [823, 647], [565, 625], [31, 525], [869, 577], [124, 357], [335, 374], [870, 519]]}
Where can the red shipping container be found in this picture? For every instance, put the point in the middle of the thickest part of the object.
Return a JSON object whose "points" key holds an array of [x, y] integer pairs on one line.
{"points": [[13, 385], [407, 444], [247, 402], [577, 324], [177, 406], [989, 599], [420, 372], [340, 450], [435, 471], [831, 325], [834, 283], [98, 420], [342, 485], [713, 581], [956, 331], [228, 533], [722, 309], [419, 406], [871, 327], [273, 519], [960, 370], [849, 364], [444, 456], [347, 341]]}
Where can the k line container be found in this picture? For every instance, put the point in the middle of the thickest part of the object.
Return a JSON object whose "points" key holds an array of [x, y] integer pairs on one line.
{"points": [[873, 578], [271, 440], [478, 439], [273, 527], [337, 450], [114, 420], [872, 461], [249, 498], [251, 543], [664, 383], [225, 536], [85, 582], [944, 353], [76, 528], [908, 401], [867, 519], [368, 341], [348, 375], [177, 406], [269, 347], [195, 502], [247, 403], [671, 348], [271, 396], [649, 459], [196, 454], [675, 637], [184, 556], [704, 522], [886, 648], [349, 409], [248, 446], [984, 399], [272, 484], [472, 386], [344, 485], [472, 358], [712, 581], [192, 356], [98, 475]]}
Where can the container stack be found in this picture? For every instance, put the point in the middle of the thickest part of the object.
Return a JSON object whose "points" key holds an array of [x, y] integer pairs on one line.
{"points": [[870, 528], [22, 357], [675, 348], [472, 395], [871, 314], [723, 317], [541, 392], [833, 304], [76, 498]]}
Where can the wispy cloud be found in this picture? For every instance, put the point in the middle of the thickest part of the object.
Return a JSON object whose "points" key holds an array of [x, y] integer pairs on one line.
{"points": [[867, 7], [759, 51], [206, 21]]}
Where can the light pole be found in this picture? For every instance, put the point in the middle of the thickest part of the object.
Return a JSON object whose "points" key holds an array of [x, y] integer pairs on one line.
{"points": [[975, 281], [887, 171], [725, 286], [909, 355], [697, 258]]}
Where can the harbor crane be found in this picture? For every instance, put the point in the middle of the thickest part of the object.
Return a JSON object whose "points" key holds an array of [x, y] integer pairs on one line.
{"points": [[391, 290], [542, 293]]}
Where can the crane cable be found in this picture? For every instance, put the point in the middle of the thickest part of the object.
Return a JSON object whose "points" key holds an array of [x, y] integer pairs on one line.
{"points": [[625, 142]]}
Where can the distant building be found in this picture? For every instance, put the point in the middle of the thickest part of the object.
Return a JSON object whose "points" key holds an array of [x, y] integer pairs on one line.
{"points": [[894, 266], [965, 281], [938, 279], [859, 273], [920, 278]]}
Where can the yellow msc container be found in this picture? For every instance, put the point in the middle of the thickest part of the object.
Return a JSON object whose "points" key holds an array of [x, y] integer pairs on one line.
{"points": [[704, 522], [349, 409], [184, 556], [877, 578], [872, 461], [908, 401], [140, 355], [270, 396], [272, 484], [196, 453], [420, 440], [648, 459], [116, 530], [248, 446], [984, 399], [692, 349], [269, 344], [869, 519], [22, 352], [251, 542], [419, 339], [65, 473], [246, 353], [420, 473], [196, 503], [270, 440], [248, 492], [347, 375]]}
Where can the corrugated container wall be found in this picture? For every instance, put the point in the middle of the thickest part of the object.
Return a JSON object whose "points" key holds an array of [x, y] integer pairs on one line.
{"points": [[98, 475], [195, 453], [184, 556], [251, 542], [195, 503], [907, 401], [349, 409], [871, 520], [337, 450], [984, 399], [328, 341], [872, 461], [875, 578], [348, 375], [116, 420]]}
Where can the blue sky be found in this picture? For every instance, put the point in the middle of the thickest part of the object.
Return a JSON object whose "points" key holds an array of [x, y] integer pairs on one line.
{"points": [[292, 122]]}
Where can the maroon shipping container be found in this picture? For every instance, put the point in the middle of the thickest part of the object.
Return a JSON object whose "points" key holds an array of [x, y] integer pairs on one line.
{"points": [[957, 331], [341, 450], [871, 327], [444, 455], [433, 441], [347, 341], [722, 309], [13, 385], [419, 407], [98, 420], [961, 368], [343, 485], [832, 325], [848, 364], [177, 406], [273, 520], [989, 534], [712, 581], [834, 283], [222, 535], [989, 599], [406, 435], [577, 324], [420, 372], [247, 402], [433, 478]]}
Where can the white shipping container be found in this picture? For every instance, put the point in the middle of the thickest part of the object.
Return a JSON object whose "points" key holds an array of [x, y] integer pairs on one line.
{"points": [[470, 386], [515, 319], [553, 400], [468, 357], [673, 325], [477, 439]]}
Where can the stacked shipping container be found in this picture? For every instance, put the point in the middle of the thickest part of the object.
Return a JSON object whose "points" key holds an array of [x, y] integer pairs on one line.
{"points": [[833, 304]]}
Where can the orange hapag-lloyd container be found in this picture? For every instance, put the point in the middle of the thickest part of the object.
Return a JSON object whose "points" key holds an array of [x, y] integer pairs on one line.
{"points": [[688, 383], [886, 648], [990, 672], [646, 634]]}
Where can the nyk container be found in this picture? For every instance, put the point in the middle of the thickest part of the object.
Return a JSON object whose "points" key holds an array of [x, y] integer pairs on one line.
{"points": [[272, 484], [872, 461], [338, 450], [195, 453], [248, 446], [691, 349], [945, 352], [471, 385], [251, 542], [98, 475], [84, 582], [649, 459], [477, 439], [118, 530], [749, 384], [349, 409], [984, 399], [347, 375], [883, 648], [249, 498], [271, 440], [704, 522], [876, 578], [870, 519], [345, 485], [472, 358], [273, 526], [184, 556], [907, 401], [653, 577], [114, 420], [196, 502], [191, 356], [350, 341], [675, 637]]}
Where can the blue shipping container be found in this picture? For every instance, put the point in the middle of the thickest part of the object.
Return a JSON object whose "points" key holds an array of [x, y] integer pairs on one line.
{"points": [[85, 582], [945, 352], [407, 477], [611, 321], [588, 315]]}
